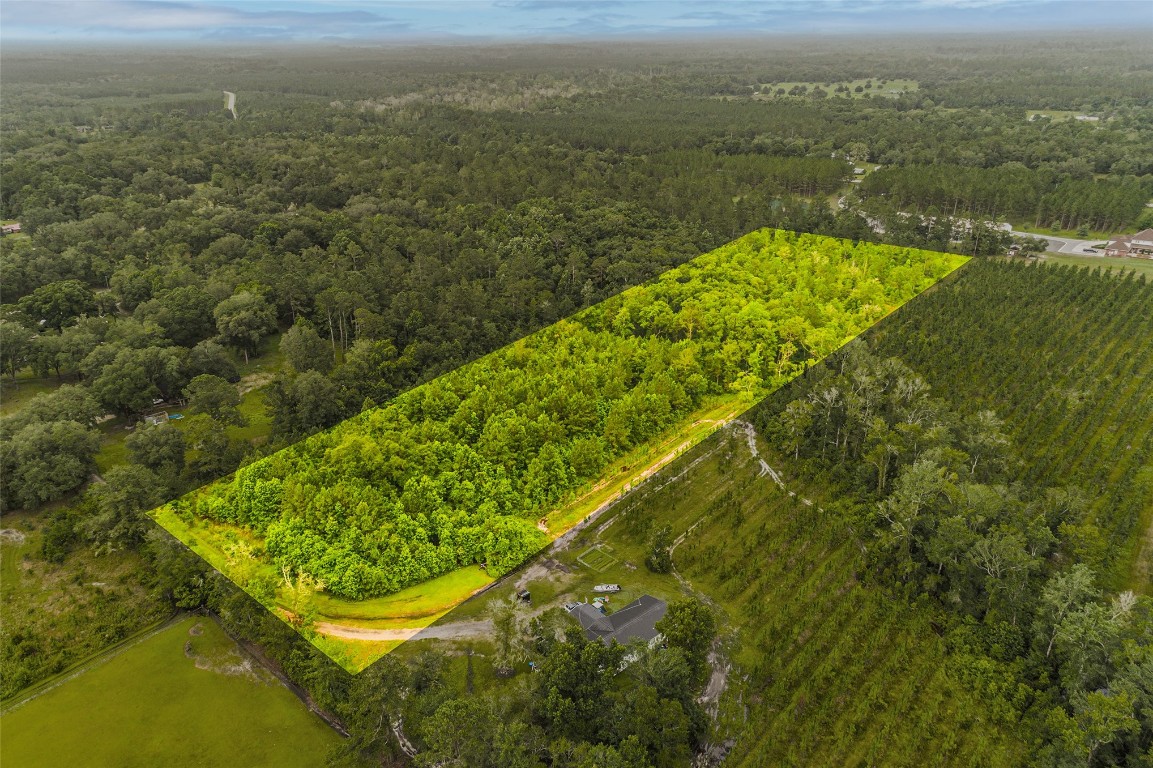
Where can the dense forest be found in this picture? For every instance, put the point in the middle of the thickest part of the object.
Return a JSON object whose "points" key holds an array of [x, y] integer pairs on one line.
{"points": [[459, 470], [1007, 485], [375, 219], [418, 221]]}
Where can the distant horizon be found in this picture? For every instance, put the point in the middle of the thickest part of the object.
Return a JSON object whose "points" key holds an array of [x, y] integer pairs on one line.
{"points": [[145, 23]]}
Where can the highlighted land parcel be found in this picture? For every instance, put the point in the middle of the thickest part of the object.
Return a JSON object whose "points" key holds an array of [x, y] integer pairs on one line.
{"points": [[389, 520]]}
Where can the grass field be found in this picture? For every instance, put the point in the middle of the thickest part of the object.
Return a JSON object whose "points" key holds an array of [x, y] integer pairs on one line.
{"points": [[185, 696], [422, 602], [53, 615], [14, 393], [1119, 265]]}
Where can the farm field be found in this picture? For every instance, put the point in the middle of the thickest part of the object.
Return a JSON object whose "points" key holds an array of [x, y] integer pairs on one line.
{"points": [[185, 696], [479, 465]]}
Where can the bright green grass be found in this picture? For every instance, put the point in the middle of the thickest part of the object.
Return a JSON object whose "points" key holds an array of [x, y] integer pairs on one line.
{"points": [[152, 704], [258, 424], [267, 360], [430, 599], [1055, 114], [112, 451]]}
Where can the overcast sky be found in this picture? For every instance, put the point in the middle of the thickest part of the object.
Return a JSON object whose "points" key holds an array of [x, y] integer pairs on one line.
{"points": [[149, 21]]}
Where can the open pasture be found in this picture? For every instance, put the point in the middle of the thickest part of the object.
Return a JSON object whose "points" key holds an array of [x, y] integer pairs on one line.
{"points": [[185, 696]]}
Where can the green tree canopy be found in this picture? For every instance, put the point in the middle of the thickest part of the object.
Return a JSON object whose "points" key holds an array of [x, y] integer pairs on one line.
{"points": [[243, 320], [215, 397]]}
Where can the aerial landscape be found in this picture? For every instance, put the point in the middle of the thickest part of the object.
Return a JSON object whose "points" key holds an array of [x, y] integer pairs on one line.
{"points": [[594, 385]]}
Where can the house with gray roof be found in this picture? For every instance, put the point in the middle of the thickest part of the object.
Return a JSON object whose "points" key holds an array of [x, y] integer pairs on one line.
{"points": [[638, 619]]}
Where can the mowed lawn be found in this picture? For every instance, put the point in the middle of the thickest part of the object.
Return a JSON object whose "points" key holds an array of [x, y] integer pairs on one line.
{"points": [[161, 703], [1118, 265]]}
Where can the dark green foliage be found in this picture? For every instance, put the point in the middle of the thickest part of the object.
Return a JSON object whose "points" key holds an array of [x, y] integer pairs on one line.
{"points": [[115, 516], [304, 404], [243, 320], [43, 462], [17, 345], [659, 559], [1073, 387], [60, 534], [1014, 191], [160, 448], [57, 304], [305, 351], [1009, 559], [690, 626], [573, 687], [210, 452], [215, 397], [184, 314], [126, 379], [67, 403]]}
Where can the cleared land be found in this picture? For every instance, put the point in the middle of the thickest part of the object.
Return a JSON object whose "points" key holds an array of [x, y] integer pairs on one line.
{"points": [[186, 696], [1118, 265], [54, 615]]}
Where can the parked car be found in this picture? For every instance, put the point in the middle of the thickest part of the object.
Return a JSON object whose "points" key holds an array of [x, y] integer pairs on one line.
{"points": [[570, 607], [607, 588], [1089, 250]]}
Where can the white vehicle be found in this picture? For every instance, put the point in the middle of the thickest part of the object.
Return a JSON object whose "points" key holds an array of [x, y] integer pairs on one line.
{"points": [[607, 588]]}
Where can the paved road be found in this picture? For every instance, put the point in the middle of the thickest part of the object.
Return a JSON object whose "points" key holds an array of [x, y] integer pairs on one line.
{"points": [[1065, 244]]}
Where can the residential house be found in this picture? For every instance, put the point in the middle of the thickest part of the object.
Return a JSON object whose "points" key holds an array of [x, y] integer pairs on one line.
{"points": [[1138, 246], [638, 619]]}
